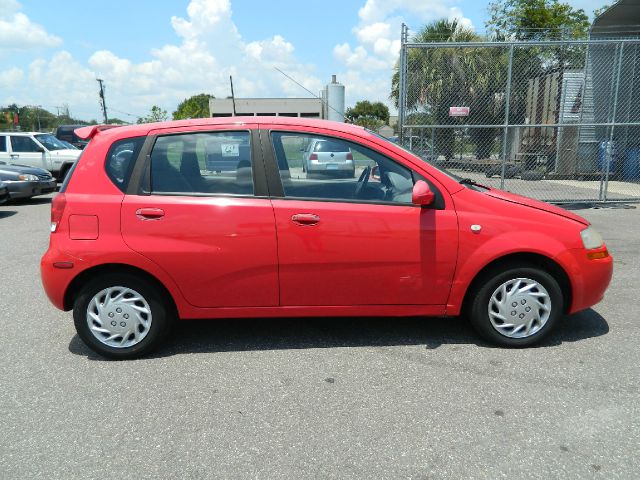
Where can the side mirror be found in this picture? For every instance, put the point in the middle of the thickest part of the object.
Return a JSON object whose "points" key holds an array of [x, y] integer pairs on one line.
{"points": [[422, 194], [40, 149]]}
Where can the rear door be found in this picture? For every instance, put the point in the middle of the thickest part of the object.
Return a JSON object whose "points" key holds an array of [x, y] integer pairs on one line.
{"points": [[212, 231]]}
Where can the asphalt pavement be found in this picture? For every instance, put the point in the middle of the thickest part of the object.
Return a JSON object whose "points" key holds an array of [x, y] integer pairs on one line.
{"points": [[318, 398]]}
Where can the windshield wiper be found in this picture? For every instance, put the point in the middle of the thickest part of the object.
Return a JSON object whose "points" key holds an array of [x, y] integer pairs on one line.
{"points": [[469, 181]]}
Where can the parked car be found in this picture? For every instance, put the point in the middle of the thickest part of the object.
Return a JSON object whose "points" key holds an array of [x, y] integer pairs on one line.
{"points": [[4, 192], [328, 157], [26, 182], [142, 239], [40, 150], [67, 133]]}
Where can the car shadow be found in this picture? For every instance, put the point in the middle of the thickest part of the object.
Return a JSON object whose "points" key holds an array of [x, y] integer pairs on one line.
{"points": [[236, 335], [31, 201], [7, 213]]}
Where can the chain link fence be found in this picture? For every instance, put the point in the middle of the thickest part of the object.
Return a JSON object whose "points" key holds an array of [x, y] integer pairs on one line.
{"points": [[553, 120]]}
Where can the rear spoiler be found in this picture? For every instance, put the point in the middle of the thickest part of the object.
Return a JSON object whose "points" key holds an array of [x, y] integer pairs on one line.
{"points": [[87, 133]]}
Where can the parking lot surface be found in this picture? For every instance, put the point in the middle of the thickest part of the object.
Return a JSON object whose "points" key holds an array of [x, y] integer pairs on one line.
{"points": [[318, 398]]}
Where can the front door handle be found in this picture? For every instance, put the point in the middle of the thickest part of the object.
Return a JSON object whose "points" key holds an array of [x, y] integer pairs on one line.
{"points": [[305, 219], [150, 213]]}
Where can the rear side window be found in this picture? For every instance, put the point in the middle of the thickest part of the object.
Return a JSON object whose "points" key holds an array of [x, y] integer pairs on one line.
{"points": [[3, 144], [120, 160], [202, 163]]}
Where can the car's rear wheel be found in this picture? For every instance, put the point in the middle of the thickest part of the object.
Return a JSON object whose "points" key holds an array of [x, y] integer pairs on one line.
{"points": [[517, 307], [122, 316]]}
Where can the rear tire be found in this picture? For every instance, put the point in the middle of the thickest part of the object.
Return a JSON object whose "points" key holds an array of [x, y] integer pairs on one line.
{"points": [[517, 307], [122, 316]]}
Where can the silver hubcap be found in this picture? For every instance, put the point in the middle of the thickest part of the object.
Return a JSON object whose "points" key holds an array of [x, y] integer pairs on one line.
{"points": [[519, 308], [119, 317]]}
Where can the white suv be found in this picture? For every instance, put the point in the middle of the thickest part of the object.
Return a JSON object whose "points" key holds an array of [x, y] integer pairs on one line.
{"points": [[41, 150]]}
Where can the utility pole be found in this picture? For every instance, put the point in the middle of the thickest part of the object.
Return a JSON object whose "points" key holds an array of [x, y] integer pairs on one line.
{"points": [[103, 103], [233, 97]]}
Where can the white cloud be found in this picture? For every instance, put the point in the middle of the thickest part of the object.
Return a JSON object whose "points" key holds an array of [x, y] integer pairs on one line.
{"points": [[17, 32], [11, 78], [378, 43], [209, 49]]}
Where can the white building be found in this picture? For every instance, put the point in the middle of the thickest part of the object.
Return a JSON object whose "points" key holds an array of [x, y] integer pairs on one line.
{"points": [[329, 106]]}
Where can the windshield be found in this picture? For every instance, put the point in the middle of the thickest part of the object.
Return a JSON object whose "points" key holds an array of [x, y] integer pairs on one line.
{"points": [[50, 142], [424, 158]]}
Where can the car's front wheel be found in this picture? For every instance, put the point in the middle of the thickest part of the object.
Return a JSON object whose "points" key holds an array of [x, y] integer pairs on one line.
{"points": [[121, 316], [517, 307]]}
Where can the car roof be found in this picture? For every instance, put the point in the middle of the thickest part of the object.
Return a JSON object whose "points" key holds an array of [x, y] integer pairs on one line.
{"points": [[23, 133], [124, 131]]}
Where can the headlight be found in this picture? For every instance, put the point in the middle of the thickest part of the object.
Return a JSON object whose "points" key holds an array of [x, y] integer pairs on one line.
{"points": [[591, 238], [28, 178]]}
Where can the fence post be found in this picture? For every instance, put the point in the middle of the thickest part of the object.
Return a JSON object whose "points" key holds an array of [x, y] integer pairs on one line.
{"points": [[402, 80], [613, 121], [506, 117]]}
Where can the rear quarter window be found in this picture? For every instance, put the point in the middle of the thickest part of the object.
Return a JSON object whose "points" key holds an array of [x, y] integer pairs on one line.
{"points": [[120, 160]]}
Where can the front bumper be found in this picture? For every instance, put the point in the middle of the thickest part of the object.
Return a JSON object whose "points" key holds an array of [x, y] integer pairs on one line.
{"points": [[47, 186], [589, 278], [4, 194], [22, 189]]}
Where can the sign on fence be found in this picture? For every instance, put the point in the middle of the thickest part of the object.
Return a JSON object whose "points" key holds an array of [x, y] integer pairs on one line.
{"points": [[458, 111]]}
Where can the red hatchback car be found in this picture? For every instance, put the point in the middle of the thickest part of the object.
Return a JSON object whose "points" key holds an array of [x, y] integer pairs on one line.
{"points": [[215, 218]]}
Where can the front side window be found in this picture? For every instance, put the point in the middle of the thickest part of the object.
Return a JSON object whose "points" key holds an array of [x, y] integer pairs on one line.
{"points": [[202, 163], [3, 144], [324, 168], [24, 144]]}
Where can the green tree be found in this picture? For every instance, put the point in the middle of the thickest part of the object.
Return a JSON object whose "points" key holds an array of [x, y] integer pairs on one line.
{"points": [[196, 106], [156, 115], [368, 114], [536, 20]]}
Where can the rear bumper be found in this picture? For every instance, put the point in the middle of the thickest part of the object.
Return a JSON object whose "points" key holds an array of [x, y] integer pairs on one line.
{"points": [[589, 278], [4, 195], [331, 167], [56, 280]]}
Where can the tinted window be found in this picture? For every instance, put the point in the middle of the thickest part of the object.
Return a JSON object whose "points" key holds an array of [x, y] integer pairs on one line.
{"points": [[23, 144], [3, 144], [360, 175], [202, 163], [120, 160]]}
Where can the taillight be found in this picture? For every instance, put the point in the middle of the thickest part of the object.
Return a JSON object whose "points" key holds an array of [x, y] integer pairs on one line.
{"points": [[57, 209], [349, 156], [313, 156]]}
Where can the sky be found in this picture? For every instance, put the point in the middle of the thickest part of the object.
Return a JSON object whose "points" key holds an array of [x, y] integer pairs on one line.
{"points": [[159, 52]]}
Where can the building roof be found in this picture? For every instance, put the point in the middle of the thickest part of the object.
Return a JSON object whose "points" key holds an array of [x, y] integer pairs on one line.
{"points": [[621, 17]]}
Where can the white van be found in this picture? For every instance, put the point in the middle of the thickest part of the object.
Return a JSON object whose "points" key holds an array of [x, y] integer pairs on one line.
{"points": [[41, 150]]}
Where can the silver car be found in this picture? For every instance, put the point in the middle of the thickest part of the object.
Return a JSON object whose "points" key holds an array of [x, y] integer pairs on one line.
{"points": [[328, 157]]}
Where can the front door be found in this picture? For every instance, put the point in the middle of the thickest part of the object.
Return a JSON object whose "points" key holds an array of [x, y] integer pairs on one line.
{"points": [[24, 151], [360, 240], [209, 230]]}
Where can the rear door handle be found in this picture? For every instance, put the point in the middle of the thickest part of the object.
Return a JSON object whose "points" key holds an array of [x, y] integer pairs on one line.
{"points": [[305, 219], [150, 213]]}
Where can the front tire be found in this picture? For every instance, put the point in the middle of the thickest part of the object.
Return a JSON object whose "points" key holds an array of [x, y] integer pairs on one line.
{"points": [[517, 307], [122, 316]]}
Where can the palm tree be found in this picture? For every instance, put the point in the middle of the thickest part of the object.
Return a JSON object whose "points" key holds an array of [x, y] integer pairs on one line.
{"points": [[439, 78]]}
